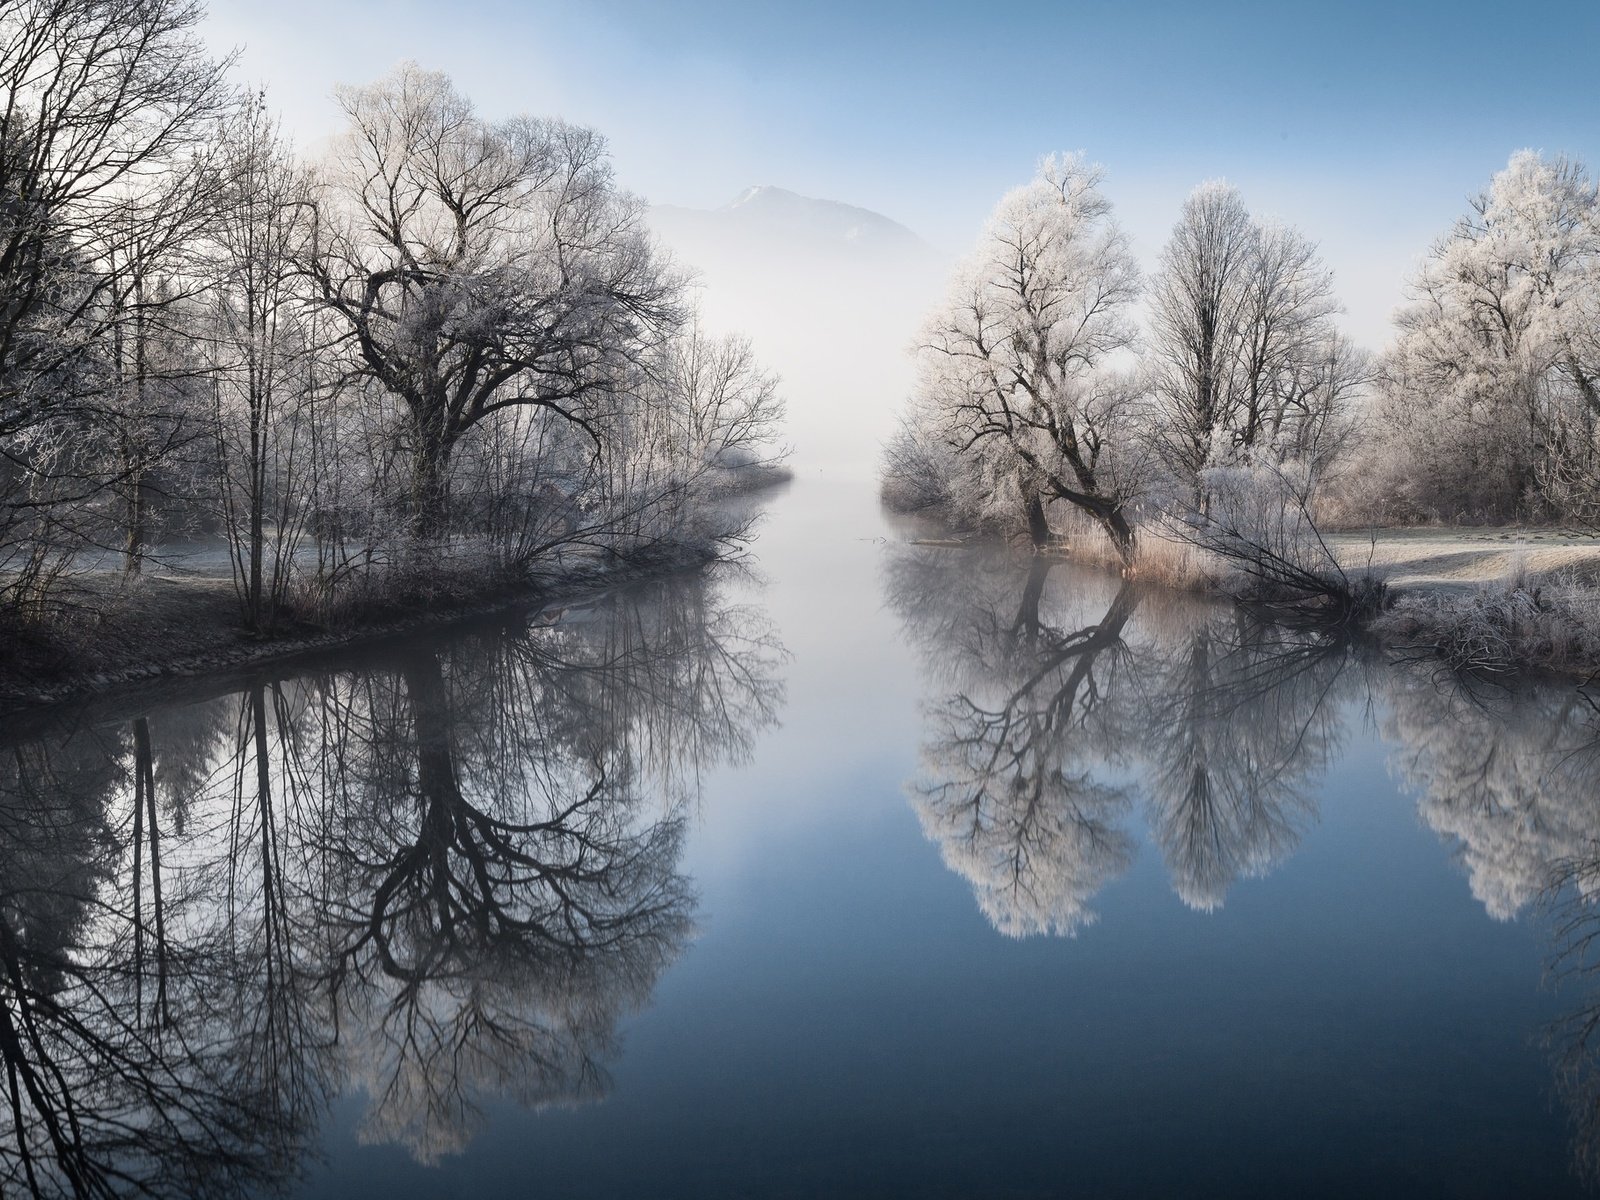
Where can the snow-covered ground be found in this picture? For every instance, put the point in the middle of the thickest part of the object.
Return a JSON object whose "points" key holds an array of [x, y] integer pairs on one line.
{"points": [[1456, 557]]}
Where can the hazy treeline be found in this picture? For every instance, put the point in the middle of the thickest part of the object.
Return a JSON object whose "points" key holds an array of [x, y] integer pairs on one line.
{"points": [[1055, 386], [445, 349], [441, 882]]}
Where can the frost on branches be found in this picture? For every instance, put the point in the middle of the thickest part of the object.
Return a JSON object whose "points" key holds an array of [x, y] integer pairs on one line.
{"points": [[1017, 404], [1492, 389]]}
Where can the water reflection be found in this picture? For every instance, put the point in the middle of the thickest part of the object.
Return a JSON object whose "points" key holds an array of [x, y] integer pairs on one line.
{"points": [[1058, 706], [1575, 967], [1240, 722], [1510, 779], [441, 880], [1010, 783]]}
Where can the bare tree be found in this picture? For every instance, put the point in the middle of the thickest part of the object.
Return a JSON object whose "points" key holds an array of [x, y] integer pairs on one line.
{"points": [[101, 106], [1245, 359], [728, 405], [265, 365], [479, 266]]}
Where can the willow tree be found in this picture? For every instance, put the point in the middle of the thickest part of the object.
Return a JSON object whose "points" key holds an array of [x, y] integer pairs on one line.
{"points": [[1013, 368], [477, 266]]}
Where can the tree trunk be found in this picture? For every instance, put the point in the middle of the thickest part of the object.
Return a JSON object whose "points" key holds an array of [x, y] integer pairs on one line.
{"points": [[137, 537], [134, 446], [1121, 534], [254, 600], [430, 488], [1027, 623], [1039, 532]]}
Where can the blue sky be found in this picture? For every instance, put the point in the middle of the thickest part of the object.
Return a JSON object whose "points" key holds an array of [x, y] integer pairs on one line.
{"points": [[1365, 124]]}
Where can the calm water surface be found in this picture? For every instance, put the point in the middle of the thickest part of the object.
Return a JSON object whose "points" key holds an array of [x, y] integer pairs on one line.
{"points": [[870, 870]]}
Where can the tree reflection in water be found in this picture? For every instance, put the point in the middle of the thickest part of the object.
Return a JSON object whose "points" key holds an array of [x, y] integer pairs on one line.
{"points": [[442, 880], [1055, 710], [1512, 779], [1239, 720]]}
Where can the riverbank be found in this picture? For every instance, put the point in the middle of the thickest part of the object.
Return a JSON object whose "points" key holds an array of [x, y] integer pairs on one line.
{"points": [[124, 634], [1406, 561], [1462, 558], [1489, 601], [1492, 602], [113, 632]]}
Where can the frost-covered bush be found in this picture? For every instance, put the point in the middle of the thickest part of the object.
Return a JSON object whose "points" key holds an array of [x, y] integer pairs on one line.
{"points": [[918, 472], [1503, 629], [1258, 522]]}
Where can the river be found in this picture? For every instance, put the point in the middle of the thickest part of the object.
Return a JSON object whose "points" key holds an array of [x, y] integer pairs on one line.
{"points": [[859, 868]]}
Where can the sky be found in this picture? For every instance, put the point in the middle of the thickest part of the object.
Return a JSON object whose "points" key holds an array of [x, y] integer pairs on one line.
{"points": [[1367, 125]]}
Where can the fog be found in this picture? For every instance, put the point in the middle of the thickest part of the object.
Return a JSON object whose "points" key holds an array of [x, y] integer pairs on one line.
{"points": [[829, 294]]}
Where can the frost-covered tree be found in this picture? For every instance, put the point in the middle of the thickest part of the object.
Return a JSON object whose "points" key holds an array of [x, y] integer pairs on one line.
{"points": [[1198, 302], [456, 344], [1491, 402], [1245, 361], [481, 266], [1015, 384]]}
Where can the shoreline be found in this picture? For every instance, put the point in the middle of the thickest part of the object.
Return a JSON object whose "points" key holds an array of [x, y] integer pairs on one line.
{"points": [[1495, 603], [225, 652]]}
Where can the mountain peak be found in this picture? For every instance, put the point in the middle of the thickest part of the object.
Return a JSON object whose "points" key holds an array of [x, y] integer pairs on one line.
{"points": [[756, 193], [765, 220], [784, 217]]}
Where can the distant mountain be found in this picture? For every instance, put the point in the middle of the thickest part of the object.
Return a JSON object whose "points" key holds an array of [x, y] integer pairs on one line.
{"points": [[775, 219]]}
